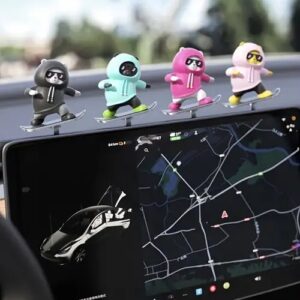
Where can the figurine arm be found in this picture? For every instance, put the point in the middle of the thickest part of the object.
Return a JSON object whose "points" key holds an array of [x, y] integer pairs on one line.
{"points": [[207, 78], [141, 84], [32, 92], [104, 84], [171, 78], [266, 72], [72, 92], [232, 72]]}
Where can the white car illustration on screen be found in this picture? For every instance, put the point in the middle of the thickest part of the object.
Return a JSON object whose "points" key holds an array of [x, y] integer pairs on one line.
{"points": [[67, 244]]}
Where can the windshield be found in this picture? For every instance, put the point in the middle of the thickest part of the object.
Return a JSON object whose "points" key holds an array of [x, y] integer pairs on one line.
{"points": [[86, 34], [79, 222]]}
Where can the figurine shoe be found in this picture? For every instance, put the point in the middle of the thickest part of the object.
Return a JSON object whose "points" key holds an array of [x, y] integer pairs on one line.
{"points": [[67, 116], [37, 122], [205, 100], [174, 106], [108, 114], [265, 94], [234, 100], [141, 107]]}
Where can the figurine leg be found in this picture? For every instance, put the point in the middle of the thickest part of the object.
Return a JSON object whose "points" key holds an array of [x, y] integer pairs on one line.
{"points": [[262, 92], [175, 106], [38, 119], [137, 105], [203, 98], [65, 113]]}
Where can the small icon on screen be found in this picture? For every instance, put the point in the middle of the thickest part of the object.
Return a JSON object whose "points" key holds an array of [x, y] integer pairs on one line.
{"points": [[199, 292], [226, 285], [212, 288], [257, 278]]}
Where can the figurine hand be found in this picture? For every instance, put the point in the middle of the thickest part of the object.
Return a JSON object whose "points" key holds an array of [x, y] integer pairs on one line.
{"points": [[77, 93], [212, 79], [270, 73], [31, 92], [235, 73], [174, 78], [107, 85], [148, 86]]}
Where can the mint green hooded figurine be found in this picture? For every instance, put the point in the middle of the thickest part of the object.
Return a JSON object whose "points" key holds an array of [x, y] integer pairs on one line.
{"points": [[123, 72]]}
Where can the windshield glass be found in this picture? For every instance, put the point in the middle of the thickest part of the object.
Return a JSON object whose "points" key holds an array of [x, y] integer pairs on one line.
{"points": [[79, 222]]}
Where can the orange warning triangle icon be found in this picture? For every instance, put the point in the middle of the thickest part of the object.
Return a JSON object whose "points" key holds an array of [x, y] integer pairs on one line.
{"points": [[224, 214]]}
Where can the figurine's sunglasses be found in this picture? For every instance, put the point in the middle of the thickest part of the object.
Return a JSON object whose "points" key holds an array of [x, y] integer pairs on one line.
{"points": [[257, 56], [60, 76], [198, 62], [128, 68]]}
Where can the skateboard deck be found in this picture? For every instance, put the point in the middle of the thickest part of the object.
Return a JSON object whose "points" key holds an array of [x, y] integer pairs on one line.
{"points": [[53, 123], [126, 114], [252, 100], [191, 107]]}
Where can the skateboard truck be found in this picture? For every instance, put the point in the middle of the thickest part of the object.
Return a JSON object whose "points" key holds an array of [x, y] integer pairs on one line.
{"points": [[56, 129], [193, 114]]}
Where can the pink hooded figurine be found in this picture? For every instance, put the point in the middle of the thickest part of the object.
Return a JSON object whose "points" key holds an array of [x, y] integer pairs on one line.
{"points": [[248, 66], [186, 78]]}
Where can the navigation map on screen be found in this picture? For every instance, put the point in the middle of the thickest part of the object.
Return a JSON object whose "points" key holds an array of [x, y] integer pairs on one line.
{"points": [[220, 202], [208, 208]]}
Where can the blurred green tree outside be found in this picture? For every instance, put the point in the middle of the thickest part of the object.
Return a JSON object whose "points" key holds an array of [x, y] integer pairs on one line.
{"points": [[230, 22], [295, 26], [242, 20]]}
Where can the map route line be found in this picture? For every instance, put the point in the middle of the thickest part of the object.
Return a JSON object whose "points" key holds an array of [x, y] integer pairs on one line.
{"points": [[146, 224], [250, 209], [175, 170], [168, 166], [147, 244], [298, 225], [212, 149], [258, 129], [256, 174], [141, 162], [175, 222], [221, 263], [273, 250], [210, 260], [181, 231], [263, 150], [189, 209], [164, 256], [220, 161], [190, 253], [209, 176], [189, 245], [229, 150], [258, 216]]}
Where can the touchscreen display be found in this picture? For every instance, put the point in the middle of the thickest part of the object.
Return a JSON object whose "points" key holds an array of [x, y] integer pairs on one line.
{"points": [[205, 209]]}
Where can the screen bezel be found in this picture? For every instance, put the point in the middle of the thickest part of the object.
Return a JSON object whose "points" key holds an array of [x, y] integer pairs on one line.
{"points": [[10, 164]]}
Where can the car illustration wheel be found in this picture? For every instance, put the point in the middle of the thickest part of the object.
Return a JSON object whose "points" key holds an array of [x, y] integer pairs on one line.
{"points": [[79, 254]]}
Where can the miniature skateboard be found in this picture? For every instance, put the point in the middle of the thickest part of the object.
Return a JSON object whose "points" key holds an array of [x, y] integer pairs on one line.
{"points": [[192, 108], [252, 100], [55, 124], [126, 115]]}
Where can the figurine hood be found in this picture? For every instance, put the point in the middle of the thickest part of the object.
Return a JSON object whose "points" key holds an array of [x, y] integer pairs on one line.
{"points": [[113, 67], [46, 65], [179, 61], [239, 57]]}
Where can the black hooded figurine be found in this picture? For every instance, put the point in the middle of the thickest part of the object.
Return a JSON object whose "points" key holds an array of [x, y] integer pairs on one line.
{"points": [[51, 78]]}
